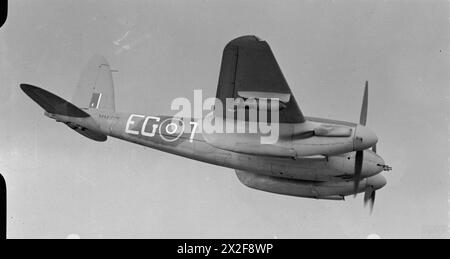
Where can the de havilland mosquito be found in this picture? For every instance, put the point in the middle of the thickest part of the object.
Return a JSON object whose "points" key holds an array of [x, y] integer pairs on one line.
{"points": [[311, 157]]}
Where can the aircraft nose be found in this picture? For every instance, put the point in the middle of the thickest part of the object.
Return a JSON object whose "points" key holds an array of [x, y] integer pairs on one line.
{"points": [[377, 181], [364, 138]]}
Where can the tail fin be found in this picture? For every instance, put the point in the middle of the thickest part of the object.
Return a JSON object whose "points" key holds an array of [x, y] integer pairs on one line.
{"points": [[95, 88]]}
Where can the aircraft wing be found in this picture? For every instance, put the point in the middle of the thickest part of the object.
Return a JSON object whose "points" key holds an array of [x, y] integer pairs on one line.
{"points": [[249, 69]]}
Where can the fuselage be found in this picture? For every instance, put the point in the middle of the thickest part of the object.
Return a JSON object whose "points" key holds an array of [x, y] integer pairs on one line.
{"points": [[187, 140]]}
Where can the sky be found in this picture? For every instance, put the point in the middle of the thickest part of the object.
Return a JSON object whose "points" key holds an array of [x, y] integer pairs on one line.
{"points": [[61, 184]]}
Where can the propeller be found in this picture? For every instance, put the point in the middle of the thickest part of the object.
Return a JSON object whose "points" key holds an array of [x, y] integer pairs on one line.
{"points": [[363, 115], [359, 158], [369, 197], [358, 168]]}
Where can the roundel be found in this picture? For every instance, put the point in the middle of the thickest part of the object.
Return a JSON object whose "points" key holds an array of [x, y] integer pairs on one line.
{"points": [[171, 129]]}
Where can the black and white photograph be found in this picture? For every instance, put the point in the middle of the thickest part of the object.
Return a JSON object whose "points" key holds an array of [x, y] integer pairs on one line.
{"points": [[227, 120]]}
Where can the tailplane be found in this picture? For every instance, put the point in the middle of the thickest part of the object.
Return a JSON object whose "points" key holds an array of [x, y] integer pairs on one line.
{"points": [[63, 111], [51, 103], [95, 90]]}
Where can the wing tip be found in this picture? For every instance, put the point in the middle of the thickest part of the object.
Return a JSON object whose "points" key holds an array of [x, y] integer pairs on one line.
{"points": [[244, 40], [27, 87]]}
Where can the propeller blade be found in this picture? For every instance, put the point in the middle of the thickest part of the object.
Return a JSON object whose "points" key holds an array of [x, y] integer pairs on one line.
{"points": [[358, 168], [369, 197], [374, 148], [372, 201], [363, 116]]}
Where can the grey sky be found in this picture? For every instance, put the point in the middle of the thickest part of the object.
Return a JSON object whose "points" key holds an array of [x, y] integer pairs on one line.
{"points": [[61, 183]]}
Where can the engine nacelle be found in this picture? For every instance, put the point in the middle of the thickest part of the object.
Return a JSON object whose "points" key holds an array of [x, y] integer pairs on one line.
{"points": [[292, 140], [299, 188]]}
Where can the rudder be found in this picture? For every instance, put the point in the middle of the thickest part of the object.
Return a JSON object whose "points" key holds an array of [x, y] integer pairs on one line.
{"points": [[95, 89]]}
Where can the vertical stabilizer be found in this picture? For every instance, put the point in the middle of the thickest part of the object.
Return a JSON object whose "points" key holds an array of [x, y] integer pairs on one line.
{"points": [[95, 88]]}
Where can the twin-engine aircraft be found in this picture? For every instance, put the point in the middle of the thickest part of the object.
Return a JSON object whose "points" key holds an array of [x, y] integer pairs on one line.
{"points": [[311, 157]]}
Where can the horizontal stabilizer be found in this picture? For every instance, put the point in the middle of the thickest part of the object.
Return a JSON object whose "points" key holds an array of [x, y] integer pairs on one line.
{"points": [[52, 103], [65, 112]]}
